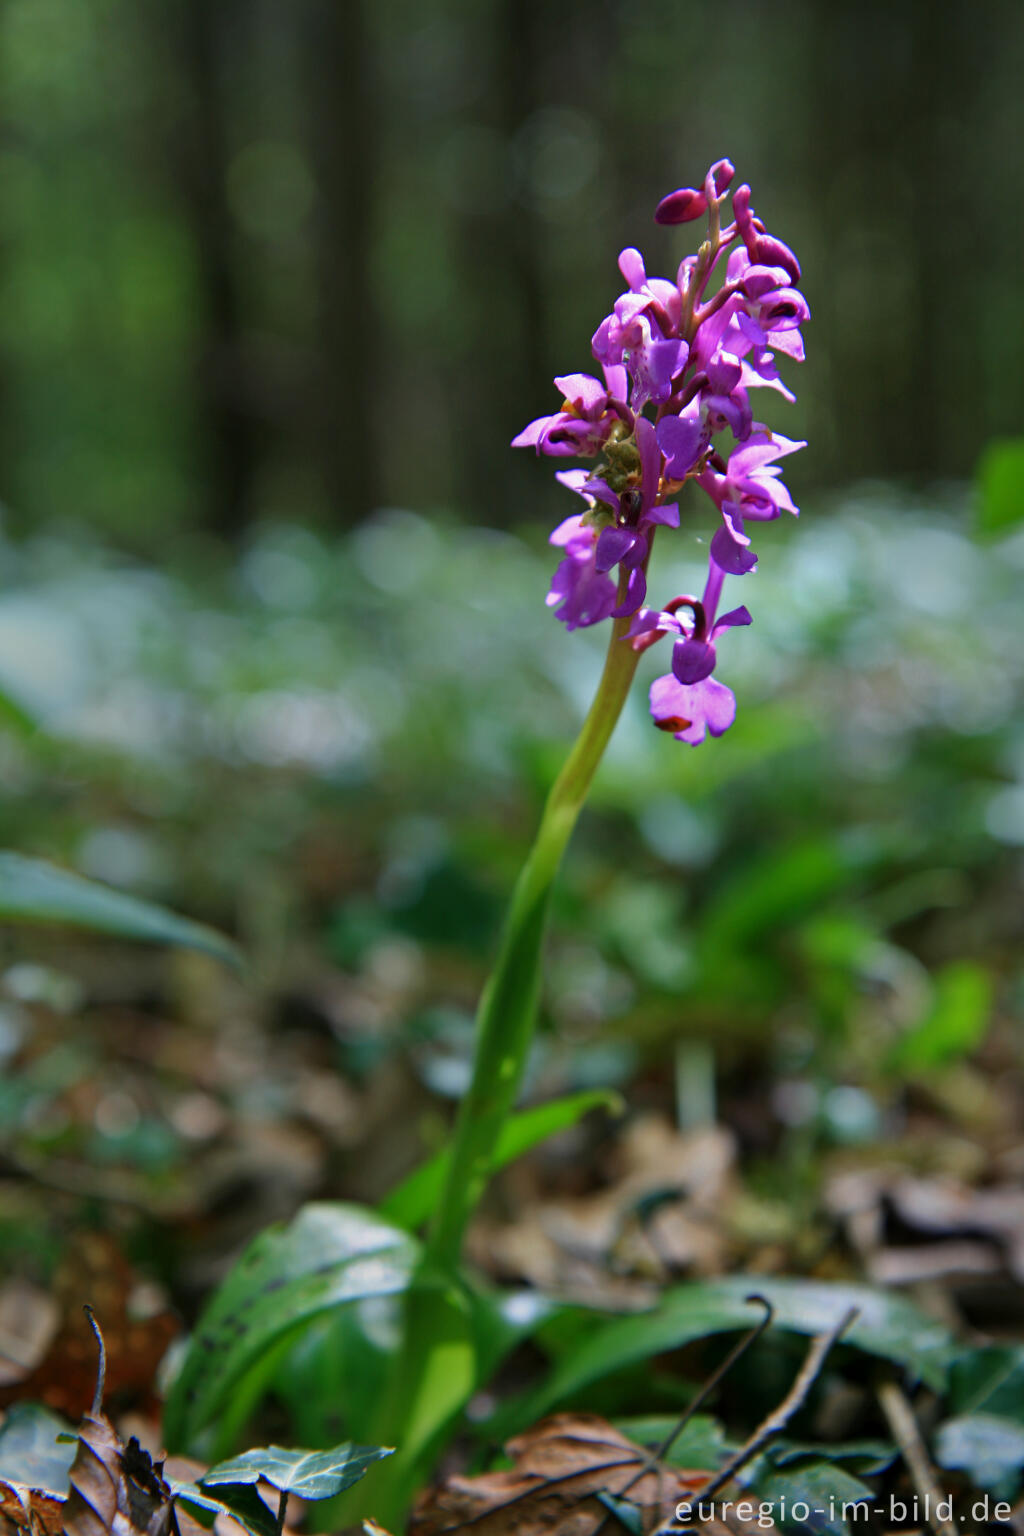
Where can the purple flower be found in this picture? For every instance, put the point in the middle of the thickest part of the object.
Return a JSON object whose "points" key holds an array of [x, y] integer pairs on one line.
{"points": [[680, 358], [688, 698], [580, 594], [689, 712], [751, 487], [586, 420]]}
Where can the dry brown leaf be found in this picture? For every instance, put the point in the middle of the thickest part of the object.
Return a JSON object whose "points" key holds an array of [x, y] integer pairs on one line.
{"points": [[32, 1511], [115, 1489], [561, 1465], [662, 1213], [64, 1378], [908, 1228]]}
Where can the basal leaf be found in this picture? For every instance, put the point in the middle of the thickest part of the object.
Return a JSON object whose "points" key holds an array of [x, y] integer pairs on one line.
{"points": [[411, 1202], [34, 892], [331, 1254], [886, 1325]]}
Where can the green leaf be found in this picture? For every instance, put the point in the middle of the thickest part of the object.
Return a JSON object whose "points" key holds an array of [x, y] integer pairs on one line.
{"points": [[330, 1255], [823, 1487], [334, 1375], [14, 715], [954, 1025], [34, 892], [411, 1202], [1000, 486], [628, 1514], [239, 1501], [769, 893], [989, 1448], [701, 1445], [886, 1325], [990, 1379], [868, 1457], [29, 1452], [503, 1319], [310, 1474]]}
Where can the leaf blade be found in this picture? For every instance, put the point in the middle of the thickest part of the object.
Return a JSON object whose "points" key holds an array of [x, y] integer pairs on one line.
{"points": [[329, 1255], [410, 1203], [698, 1309], [32, 891], [310, 1474]]}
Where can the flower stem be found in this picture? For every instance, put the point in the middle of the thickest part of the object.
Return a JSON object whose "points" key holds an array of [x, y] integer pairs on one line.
{"points": [[508, 1007], [435, 1364]]}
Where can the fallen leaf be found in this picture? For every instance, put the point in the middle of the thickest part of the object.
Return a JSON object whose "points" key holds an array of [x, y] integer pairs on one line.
{"points": [[65, 1376], [34, 1511], [115, 1488], [566, 1467], [661, 1214]]}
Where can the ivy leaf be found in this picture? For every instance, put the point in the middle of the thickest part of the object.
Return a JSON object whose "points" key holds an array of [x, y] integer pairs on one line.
{"points": [[241, 1502], [989, 1380], [34, 892], [310, 1474], [826, 1491], [700, 1444], [868, 1457]]}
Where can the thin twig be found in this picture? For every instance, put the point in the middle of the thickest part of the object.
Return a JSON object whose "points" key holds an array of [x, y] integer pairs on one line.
{"points": [[541, 1486], [101, 1370], [794, 1400], [905, 1431], [657, 1456], [736, 1353]]}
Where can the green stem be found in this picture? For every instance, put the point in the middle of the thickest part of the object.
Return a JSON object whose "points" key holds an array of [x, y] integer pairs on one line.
{"points": [[508, 1007], [435, 1366]]}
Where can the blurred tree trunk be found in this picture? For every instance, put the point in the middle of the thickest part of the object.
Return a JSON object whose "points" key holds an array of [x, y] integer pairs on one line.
{"points": [[522, 24], [341, 99], [208, 33], [501, 254]]}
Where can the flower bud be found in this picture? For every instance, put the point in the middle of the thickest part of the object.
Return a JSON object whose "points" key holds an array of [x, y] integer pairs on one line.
{"points": [[743, 214], [769, 252], [722, 173], [681, 206]]}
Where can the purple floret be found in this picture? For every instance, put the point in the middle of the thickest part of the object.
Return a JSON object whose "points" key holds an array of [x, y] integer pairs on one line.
{"points": [[680, 359]]}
